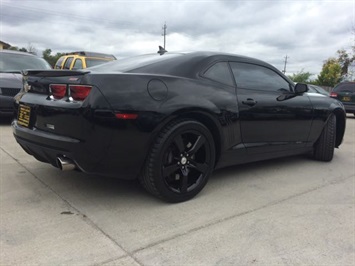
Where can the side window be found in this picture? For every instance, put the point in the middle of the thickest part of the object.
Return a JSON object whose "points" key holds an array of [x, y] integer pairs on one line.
{"points": [[255, 77], [78, 64], [58, 65], [220, 72], [68, 62]]}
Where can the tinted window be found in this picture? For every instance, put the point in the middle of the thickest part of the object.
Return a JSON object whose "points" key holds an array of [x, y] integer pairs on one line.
{"points": [[78, 64], [220, 72], [349, 87], [255, 77], [68, 62], [58, 65], [18, 62]]}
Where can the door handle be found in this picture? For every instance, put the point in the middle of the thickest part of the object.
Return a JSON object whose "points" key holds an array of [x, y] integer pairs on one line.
{"points": [[250, 102]]}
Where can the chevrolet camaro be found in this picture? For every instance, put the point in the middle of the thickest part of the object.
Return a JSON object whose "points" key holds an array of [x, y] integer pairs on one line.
{"points": [[170, 119]]}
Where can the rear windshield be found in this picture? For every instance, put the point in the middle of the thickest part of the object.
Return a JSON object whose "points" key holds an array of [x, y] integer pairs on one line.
{"points": [[18, 62], [346, 87], [131, 63]]}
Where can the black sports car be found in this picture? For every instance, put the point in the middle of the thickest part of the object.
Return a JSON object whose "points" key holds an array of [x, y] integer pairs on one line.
{"points": [[171, 119]]}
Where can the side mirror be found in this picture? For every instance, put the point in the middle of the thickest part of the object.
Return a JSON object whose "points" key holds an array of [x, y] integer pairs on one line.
{"points": [[301, 88]]}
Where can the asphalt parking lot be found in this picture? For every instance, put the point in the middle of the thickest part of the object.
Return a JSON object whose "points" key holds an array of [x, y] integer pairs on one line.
{"points": [[289, 211]]}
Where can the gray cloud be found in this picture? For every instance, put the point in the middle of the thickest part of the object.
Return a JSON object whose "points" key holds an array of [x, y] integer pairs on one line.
{"points": [[307, 31]]}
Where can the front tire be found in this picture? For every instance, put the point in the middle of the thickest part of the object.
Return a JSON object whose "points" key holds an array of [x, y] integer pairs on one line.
{"points": [[324, 147], [180, 161]]}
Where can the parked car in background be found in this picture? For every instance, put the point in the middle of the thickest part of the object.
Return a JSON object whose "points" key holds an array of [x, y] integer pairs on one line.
{"points": [[170, 120], [345, 92], [317, 89], [80, 60], [12, 63]]}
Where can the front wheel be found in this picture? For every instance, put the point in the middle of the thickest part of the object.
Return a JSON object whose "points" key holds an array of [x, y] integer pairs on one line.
{"points": [[324, 147], [180, 161]]}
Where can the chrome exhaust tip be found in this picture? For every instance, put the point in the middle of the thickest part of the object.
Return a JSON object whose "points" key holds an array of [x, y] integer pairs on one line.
{"points": [[65, 164]]}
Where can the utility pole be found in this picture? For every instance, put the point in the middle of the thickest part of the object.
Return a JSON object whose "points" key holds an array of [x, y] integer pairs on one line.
{"points": [[164, 33], [284, 71]]}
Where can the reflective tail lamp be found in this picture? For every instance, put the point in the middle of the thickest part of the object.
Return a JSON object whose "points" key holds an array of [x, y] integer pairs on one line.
{"points": [[334, 94], [79, 92], [58, 90], [76, 92]]}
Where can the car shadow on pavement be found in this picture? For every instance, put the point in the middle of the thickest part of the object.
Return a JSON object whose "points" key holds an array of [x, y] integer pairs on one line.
{"points": [[75, 185], [5, 120]]}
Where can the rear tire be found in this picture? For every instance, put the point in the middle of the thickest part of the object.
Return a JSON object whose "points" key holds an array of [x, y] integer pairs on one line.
{"points": [[324, 147], [180, 161]]}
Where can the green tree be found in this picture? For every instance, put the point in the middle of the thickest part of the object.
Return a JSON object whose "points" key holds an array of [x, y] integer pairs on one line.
{"points": [[330, 74], [301, 77], [345, 59], [31, 49], [51, 59], [15, 48]]}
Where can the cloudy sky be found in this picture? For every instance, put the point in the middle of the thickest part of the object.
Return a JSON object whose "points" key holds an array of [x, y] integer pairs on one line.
{"points": [[308, 32]]}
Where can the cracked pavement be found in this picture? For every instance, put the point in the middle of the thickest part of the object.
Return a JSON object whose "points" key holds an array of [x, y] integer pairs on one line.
{"points": [[288, 211]]}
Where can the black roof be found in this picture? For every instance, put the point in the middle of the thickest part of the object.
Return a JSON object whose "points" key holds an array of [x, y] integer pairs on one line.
{"points": [[186, 64]]}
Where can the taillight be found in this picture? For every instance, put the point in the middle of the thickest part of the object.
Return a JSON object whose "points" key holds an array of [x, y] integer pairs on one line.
{"points": [[79, 92], [58, 90], [334, 94]]}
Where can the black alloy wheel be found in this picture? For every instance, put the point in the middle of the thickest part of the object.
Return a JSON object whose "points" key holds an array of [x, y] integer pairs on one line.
{"points": [[180, 162]]}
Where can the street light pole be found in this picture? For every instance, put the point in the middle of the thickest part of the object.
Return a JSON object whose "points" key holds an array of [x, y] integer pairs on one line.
{"points": [[164, 33], [284, 71]]}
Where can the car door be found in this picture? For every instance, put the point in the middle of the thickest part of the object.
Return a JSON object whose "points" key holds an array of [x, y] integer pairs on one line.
{"points": [[272, 117]]}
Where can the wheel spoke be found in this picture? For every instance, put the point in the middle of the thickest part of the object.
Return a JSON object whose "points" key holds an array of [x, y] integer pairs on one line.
{"points": [[184, 179], [201, 167], [168, 170], [198, 144], [179, 143]]}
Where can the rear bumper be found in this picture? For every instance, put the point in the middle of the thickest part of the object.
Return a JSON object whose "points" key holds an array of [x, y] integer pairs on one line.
{"points": [[349, 108], [47, 147]]}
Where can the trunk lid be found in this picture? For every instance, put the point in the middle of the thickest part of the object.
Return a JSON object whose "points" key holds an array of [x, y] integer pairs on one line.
{"points": [[42, 106]]}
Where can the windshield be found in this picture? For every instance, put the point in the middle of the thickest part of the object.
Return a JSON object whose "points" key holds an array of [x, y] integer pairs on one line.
{"points": [[127, 64], [11, 62]]}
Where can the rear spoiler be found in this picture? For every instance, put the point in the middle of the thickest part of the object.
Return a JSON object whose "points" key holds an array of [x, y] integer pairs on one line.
{"points": [[53, 73]]}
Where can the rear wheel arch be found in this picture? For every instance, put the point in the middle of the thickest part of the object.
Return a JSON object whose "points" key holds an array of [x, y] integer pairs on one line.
{"points": [[212, 125]]}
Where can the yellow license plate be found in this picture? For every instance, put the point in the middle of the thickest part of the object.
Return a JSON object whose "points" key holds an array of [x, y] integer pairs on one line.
{"points": [[346, 99], [24, 114]]}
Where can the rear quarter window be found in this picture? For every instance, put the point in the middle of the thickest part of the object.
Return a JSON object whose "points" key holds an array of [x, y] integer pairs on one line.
{"points": [[220, 72]]}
